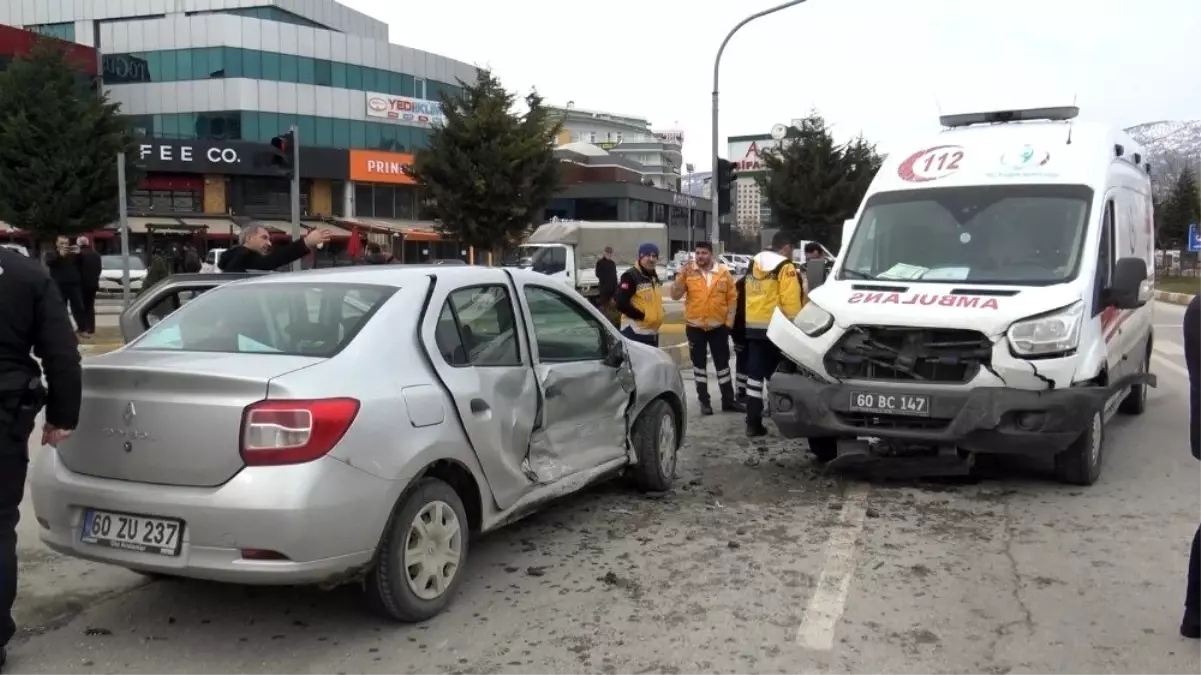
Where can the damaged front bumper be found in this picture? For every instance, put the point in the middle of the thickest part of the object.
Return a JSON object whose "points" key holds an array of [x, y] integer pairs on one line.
{"points": [[993, 420]]}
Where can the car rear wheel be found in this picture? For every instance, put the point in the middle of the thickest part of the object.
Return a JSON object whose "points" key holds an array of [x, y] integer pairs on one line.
{"points": [[1080, 464], [656, 439], [421, 556]]}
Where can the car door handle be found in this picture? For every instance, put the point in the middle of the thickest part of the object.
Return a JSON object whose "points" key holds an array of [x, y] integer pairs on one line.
{"points": [[479, 406]]}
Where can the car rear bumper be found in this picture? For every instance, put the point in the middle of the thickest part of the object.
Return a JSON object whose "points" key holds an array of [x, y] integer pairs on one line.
{"points": [[994, 420], [325, 516]]}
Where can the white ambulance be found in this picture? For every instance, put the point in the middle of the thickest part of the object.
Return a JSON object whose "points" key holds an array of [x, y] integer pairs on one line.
{"points": [[991, 296]]}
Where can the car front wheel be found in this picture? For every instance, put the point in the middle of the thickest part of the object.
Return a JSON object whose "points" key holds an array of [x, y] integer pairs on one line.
{"points": [[656, 440], [421, 556]]}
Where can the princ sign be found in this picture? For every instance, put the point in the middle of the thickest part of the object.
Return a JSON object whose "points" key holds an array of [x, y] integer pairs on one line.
{"points": [[373, 166], [413, 112]]}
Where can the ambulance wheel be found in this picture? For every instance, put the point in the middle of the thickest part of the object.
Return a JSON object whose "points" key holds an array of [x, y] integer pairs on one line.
{"points": [[1080, 464], [825, 449], [1135, 402]]}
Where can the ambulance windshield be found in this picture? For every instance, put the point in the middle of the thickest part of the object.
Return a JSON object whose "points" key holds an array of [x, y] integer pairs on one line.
{"points": [[989, 234]]}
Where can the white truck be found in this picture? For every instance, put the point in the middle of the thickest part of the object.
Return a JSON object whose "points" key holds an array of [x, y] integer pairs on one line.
{"points": [[568, 249]]}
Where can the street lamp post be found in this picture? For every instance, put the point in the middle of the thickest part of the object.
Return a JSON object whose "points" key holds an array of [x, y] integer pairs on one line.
{"points": [[716, 76]]}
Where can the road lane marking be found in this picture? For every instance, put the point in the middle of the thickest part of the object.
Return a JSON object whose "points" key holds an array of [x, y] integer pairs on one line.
{"points": [[1169, 349], [830, 598], [1164, 362]]}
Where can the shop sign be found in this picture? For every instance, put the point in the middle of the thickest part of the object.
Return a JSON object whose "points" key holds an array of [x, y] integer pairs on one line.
{"points": [[414, 112], [372, 166]]}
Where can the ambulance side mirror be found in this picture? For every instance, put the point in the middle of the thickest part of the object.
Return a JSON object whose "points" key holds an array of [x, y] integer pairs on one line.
{"points": [[1128, 288]]}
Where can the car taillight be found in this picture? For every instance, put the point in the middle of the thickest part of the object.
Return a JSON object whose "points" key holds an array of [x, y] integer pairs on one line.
{"points": [[294, 432]]}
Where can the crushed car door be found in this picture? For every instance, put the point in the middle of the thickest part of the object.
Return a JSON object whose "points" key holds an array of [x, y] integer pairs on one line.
{"points": [[474, 344], [585, 380]]}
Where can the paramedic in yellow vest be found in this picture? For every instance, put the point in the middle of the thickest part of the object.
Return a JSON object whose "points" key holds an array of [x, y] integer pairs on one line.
{"points": [[771, 281], [709, 303], [639, 298]]}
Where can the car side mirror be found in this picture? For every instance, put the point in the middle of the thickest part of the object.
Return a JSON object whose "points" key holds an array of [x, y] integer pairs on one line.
{"points": [[1130, 288], [615, 351]]}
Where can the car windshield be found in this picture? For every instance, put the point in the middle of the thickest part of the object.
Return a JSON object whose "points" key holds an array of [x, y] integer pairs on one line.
{"points": [[116, 262], [301, 319], [1017, 234]]}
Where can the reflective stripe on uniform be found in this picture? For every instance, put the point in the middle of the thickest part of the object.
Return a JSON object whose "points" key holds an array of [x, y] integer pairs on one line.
{"points": [[723, 376]]}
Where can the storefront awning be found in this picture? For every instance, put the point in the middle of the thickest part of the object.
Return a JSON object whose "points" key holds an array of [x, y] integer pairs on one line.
{"points": [[411, 230], [220, 228]]}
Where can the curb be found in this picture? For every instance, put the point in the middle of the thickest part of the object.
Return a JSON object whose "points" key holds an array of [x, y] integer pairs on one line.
{"points": [[679, 355], [100, 348], [1174, 298]]}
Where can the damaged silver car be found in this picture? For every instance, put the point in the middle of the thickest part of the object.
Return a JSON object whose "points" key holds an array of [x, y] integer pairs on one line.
{"points": [[349, 425]]}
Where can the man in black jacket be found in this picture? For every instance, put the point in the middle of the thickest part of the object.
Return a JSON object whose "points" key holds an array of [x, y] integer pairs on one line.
{"points": [[63, 263], [606, 284], [32, 319], [1190, 627], [256, 253], [89, 283]]}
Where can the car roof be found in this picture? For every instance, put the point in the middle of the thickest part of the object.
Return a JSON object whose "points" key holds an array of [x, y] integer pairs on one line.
{"points": [[390, 275]]}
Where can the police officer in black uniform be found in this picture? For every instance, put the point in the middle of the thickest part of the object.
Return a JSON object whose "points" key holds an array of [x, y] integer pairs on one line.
{"points": [[33, 318]]}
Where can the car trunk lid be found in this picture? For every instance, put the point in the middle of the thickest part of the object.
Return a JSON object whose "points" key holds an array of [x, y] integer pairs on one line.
{"points": [[169, 418]]}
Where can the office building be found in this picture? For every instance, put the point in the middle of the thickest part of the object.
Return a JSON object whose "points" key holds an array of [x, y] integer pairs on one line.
{"points": [[659, 153], [209, 82]]}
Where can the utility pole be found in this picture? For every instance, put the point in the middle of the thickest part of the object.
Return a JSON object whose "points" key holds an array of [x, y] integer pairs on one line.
{"points": [[716, 238], [295, 150], [123, 219]]}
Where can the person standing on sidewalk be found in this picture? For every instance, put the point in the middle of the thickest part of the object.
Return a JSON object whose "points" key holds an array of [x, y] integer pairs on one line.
{"points": [[33, 319], [639, 298], [63, 263], [89, 283], [606, 284], [772, 281], [710, 301], [1190, 627]]}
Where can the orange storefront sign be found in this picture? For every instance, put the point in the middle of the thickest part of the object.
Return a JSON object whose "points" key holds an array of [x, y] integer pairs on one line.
{"points": [[372, 166]]}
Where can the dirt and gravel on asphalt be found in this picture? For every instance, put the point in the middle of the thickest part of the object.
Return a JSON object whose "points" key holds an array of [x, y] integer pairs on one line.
{"points": [[756, 562]]}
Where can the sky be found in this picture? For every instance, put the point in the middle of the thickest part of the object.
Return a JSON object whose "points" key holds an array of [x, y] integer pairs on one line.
{"points": [[883, 68]]}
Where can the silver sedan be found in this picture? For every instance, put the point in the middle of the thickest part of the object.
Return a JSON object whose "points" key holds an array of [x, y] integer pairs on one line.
{"points": [[355, 424]]}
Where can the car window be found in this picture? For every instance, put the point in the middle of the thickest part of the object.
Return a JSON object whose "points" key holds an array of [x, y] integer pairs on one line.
{"points": [[117, 262], [476, 328], [170, 302], [211, 257], [269, 319], [563, 330]]}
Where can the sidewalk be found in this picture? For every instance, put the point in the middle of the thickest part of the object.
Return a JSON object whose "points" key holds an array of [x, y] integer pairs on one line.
{"points": [[1174, 298]]}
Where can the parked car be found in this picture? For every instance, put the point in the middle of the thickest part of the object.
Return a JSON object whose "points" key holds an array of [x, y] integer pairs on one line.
{"points": [[112, 273], [350, 424], [209, 266]]}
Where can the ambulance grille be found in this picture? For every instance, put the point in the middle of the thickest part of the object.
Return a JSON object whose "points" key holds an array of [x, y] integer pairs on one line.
{"points": [[905, 354]]}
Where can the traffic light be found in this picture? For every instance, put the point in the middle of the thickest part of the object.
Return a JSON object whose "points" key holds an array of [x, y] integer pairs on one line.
{"points": [[726, 175], [281, 157]]}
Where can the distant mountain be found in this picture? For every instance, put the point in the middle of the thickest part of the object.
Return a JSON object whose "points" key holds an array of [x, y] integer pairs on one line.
{"points": [[1170, 146]]}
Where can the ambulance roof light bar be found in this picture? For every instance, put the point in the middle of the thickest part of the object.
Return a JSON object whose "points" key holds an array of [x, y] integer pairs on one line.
{"points": [[1057, 114]]}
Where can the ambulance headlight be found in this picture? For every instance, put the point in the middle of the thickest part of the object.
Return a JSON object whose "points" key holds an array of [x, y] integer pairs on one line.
{"points": [[1056, 332], [813, 320]]}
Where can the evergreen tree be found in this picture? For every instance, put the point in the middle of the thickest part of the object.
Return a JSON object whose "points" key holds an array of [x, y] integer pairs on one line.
{"points": [[489, 172], [813, 184], [59, 140], [1181, 207]]}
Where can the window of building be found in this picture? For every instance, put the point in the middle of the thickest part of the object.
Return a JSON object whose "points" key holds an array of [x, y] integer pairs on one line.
{"points": [[62, 31], [596, 209], [419, 87], [165, 201], [267, 196], [640, 211], [262, 126], [391, 202]]}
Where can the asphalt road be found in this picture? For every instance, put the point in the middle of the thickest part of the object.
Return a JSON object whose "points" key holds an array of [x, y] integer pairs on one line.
{"points": [[756, 563]]}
